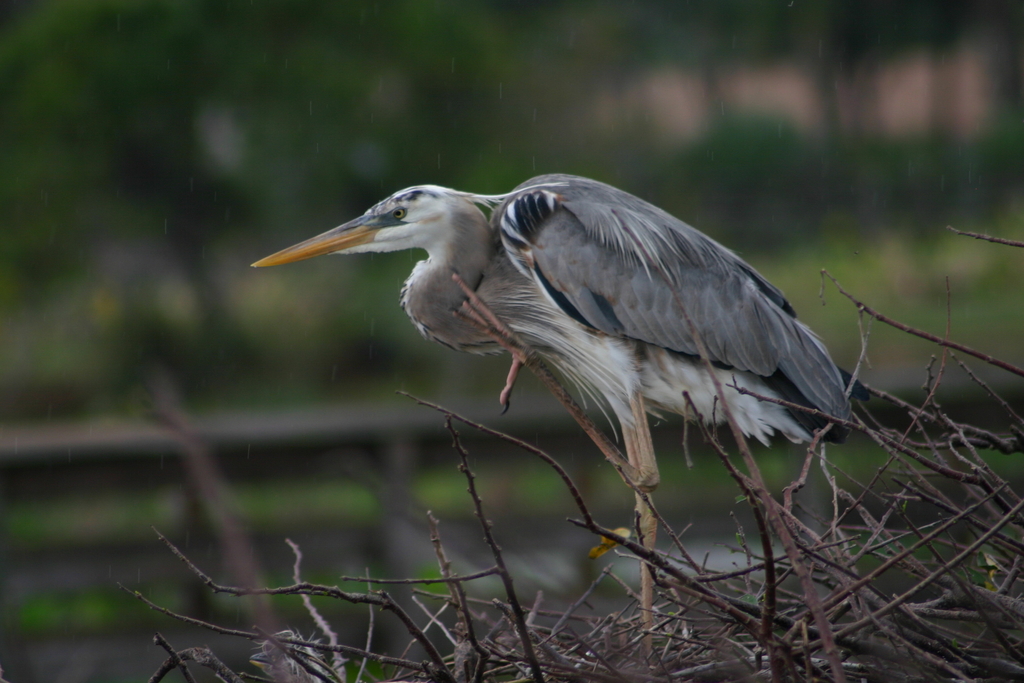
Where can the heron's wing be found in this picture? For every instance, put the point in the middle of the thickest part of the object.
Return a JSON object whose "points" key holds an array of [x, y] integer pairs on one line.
{"points": [[626, 268]]}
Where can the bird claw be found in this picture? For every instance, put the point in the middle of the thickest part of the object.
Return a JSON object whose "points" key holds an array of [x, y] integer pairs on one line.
{"points": [[506, 394]]}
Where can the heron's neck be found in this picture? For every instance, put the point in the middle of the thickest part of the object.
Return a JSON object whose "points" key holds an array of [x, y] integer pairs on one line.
{"points": [[465, 248], [430, 295]]}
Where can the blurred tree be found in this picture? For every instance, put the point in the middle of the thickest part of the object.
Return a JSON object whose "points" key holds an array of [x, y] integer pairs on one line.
{"points": [[192, 120], [180, 125], [143, 139]]}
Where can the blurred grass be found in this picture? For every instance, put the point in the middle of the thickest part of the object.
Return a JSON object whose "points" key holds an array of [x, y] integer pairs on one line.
{"points": [[125, 516], [93, 610]]}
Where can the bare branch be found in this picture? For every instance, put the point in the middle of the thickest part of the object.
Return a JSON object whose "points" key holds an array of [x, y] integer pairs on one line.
{"points": [[173, 661], [987, 238], [307, 602], [925, 335], [506, 578]]}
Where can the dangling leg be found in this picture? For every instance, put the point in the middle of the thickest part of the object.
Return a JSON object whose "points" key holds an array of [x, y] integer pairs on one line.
{"points": [[506, 393], [640, 451], [478, 311]]}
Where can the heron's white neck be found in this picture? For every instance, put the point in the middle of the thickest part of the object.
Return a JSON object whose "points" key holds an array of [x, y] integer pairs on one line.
{"points": [[466, 245], [462, 241]]}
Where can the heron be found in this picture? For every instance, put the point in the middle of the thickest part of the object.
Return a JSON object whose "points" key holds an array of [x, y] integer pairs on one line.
{"points": [[597, 280], [622, 298]]}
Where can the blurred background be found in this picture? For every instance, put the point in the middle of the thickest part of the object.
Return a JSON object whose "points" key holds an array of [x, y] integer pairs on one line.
{"points": [[151, 150]]}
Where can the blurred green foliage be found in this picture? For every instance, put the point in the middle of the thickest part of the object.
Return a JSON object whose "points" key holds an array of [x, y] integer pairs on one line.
{"points": [[107, 517], [81, 611], [152, 149]]}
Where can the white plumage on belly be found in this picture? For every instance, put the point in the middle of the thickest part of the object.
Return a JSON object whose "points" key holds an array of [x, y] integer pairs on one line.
{"points": [[666, 375], [598, 364]]}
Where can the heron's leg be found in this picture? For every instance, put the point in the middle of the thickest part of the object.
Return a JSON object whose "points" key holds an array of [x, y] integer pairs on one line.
{"points": [[513, 372], [640, 451]]}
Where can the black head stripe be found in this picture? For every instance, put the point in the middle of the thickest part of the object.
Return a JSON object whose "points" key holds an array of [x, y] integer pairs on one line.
{"points": [[407, 196]]}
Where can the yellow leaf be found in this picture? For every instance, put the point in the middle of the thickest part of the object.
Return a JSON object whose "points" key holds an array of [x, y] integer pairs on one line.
{"points": [[607, 543]]}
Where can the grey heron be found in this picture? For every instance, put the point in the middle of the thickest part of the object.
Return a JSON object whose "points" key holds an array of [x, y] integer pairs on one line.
{"points": [[610, 289], [620, 296]]}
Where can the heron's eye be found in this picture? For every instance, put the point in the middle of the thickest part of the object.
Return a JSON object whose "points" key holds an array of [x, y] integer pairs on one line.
{"points": [[399, 213]]}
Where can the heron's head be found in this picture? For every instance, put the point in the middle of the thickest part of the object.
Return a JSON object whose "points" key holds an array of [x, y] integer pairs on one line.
{"points": [[425, 217]]}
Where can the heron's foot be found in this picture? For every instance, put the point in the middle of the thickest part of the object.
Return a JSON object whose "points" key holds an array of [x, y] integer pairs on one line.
{"points": [[506, 394]]}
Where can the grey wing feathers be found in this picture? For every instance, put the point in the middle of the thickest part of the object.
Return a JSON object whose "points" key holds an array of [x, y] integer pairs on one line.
{"points": [[629, 269]]}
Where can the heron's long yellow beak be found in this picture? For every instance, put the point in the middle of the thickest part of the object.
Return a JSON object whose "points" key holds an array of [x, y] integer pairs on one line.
{"points": [[352, 234]]}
